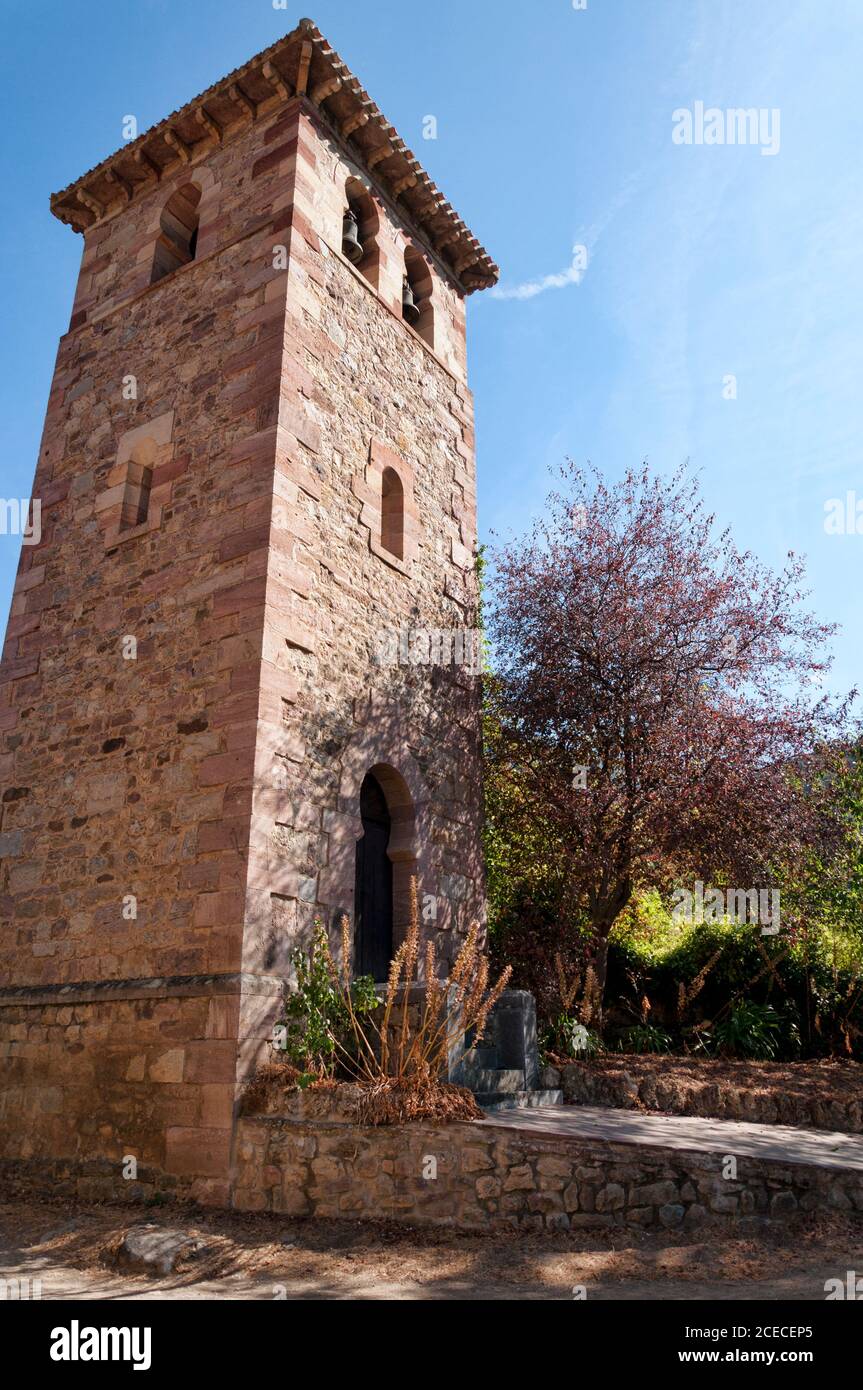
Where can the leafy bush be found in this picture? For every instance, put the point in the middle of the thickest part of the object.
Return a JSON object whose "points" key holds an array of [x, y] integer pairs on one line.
{"points": [[528, 934], [749, 1030], [316, 1018], [815, 988], [648, 927], [645, 1037]]}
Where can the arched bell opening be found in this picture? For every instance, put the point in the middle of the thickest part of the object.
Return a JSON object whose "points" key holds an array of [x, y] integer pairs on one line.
{"points": [[417, 295], [177, 243], [360, 226]]}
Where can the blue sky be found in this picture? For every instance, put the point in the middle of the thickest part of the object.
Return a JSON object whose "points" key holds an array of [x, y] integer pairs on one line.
{"points": [[554, 130]]}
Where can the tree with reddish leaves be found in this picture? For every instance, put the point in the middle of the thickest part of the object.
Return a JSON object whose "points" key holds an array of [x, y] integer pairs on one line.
{"points": [[656, 691]]}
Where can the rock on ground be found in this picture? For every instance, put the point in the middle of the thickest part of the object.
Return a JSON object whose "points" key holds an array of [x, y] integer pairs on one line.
{"points": [[156, 1250]]}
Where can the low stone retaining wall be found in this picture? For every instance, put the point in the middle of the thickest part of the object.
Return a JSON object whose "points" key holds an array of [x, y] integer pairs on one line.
{"points": [[749, 1091], [482, 1177]]}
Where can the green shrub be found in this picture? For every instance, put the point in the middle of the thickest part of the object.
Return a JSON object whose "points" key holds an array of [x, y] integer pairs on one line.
{"points": [[645, 1037], [315, 1019], [647, 928], [811, 980], [750, 1030]]}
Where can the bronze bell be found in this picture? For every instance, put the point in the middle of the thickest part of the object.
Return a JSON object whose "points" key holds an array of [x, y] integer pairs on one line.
{"points": [[352, 247], [410, 312]]}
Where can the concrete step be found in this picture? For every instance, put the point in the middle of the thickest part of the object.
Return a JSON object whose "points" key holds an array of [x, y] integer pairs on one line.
{"points": [[482, 1079], [493, 1101]]}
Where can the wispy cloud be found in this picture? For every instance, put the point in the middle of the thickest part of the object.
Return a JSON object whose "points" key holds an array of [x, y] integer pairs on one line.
{"points": [[582, 251], [531, 288]]}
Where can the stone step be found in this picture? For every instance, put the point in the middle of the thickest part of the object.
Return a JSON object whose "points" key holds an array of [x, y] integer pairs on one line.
{"points": [[483, 1079], [485, 1057], [493, 1101]]}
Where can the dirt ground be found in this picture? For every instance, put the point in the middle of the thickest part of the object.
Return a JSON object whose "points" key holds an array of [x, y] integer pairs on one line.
{"points": [[71, 1250]]}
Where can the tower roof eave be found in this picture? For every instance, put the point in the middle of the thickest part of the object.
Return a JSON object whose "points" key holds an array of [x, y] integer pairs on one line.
{"points": [[300, 65]]}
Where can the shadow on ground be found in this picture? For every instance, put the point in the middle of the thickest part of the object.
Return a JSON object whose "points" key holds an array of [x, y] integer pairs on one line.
{"points": [[72, 1251]]}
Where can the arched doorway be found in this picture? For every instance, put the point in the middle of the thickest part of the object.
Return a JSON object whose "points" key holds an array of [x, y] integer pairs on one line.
{"points": [[373, 900]]}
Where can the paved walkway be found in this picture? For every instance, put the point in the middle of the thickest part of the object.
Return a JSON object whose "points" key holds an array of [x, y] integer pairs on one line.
{"points": [[781, 1143]]}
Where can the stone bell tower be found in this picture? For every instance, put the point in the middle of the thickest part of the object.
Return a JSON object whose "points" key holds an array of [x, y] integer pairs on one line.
{"points": [[238, 690]]}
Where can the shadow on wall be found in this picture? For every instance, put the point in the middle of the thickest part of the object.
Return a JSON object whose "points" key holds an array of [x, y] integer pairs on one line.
{"points": [[386, 791]]}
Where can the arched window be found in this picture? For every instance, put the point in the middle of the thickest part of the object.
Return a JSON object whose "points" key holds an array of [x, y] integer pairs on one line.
{"points": [[417, 306], [360, 230], [393, 513], [178, 235], [139, 481]]}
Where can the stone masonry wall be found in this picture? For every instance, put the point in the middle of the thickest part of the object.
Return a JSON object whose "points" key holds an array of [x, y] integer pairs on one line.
{"points": [[111, 1076], [361, 391], [493, 1178], [127, 782]]}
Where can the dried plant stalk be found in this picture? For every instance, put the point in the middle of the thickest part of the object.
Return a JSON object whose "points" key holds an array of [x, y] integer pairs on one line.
{"points": [[687, 994], [347, 951], [567, 991], [592, 997], [411, 1050]]}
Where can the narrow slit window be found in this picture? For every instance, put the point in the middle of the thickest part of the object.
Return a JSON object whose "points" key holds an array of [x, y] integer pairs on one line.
{"points": [[393, 514], [135, 508]]}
